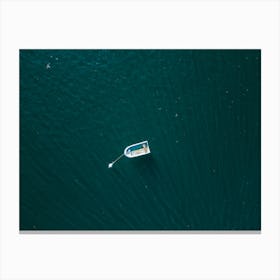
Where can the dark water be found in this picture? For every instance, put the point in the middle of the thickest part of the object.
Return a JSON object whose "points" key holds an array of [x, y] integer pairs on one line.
{"points": [[199, 110]]}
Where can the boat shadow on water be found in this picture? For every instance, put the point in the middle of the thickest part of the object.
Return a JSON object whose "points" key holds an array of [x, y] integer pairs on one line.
{"points": [[145, 165]]}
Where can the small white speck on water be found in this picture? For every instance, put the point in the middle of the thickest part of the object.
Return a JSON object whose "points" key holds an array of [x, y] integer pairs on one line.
{"points": [[146, 186], [247, 89], [177, 141], [176, 115], [48, 65], [56, 58], [226, 91], [159, 108]]}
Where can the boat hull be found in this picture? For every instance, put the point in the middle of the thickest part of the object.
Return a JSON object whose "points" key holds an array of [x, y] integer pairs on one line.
{"points": [[137, 150]]}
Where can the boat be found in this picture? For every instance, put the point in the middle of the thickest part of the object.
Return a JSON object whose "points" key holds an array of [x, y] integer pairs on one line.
{"points": [[134, 150], [137, 150]]}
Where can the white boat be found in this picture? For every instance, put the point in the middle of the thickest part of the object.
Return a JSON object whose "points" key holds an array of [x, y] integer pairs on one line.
{"points": [[134, 150], [137, 150]]}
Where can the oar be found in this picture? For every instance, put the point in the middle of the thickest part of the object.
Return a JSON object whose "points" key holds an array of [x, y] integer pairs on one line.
{"points": [[110, 165]]}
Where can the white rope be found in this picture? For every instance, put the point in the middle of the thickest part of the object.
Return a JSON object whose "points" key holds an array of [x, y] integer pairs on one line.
{"points": [[110, 165]]}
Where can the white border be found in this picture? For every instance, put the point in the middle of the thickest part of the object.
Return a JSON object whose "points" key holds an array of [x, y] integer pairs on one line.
{"points": [[139, 24]]}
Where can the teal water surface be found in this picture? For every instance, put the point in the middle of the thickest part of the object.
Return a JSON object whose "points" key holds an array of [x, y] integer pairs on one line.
{"points": [[200, 110]]}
